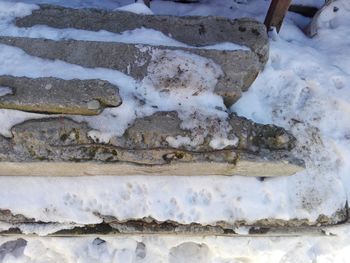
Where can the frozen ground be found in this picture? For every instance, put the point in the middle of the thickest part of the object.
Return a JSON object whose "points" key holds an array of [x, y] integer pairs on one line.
{"points": [[304, 88]]}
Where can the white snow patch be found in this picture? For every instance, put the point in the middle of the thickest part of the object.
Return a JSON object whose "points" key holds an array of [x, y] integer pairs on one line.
{"points": [[9, 118], [227, 46], [137, 8], [181, 73], [179, 141], [221, 143], [5, 91], [150, 249], [10, 11], [44, 229]]}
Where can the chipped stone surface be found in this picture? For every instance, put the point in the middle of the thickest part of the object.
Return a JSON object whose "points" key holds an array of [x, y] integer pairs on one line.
{"points": [[61, 147], [52, 95], [238, 69]]}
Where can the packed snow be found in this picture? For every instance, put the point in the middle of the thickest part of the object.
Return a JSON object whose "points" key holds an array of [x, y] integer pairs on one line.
{"points": [[303, 88], [175, 249]]}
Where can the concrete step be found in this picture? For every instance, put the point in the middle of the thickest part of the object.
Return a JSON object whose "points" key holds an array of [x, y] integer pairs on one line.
{"points": [[194, 31], [62, 147], [238, 69]]}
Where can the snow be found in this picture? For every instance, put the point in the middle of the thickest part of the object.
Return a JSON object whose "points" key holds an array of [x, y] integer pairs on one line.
{"points": [[9, 11], [138, 8], [303, 88], [151, 249], [5, 91]]}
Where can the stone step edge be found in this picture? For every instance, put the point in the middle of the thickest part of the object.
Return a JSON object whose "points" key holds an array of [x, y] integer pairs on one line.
{"points": [[192, 30], [49, 95], [94, 168], [104, 229], [239, 67], [111, 226]]}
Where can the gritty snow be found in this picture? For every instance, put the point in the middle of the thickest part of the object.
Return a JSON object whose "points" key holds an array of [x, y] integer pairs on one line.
{"points": [[303, 88]]}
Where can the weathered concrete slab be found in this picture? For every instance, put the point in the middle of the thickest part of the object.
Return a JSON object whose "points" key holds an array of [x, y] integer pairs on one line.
{"points": [[52, 95], [239, 68], [62, 147], [194, 31]]}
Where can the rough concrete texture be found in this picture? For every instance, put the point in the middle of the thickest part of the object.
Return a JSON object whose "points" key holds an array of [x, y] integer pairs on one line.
{"points": [[194, 31], [52, 95], [62, 147], [8, 217], [112, 226], [239, 68]]}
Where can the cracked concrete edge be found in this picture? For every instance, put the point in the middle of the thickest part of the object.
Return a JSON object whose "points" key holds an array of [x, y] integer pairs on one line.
{"points": [[145, 226]]}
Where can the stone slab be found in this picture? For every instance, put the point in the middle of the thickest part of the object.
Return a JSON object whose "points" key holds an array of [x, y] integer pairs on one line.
{"points": [[58, 96], [239, 68], [192, 30], [62, 147]]}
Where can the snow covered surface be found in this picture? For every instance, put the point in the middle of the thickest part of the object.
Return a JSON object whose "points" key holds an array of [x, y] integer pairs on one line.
{"points": [[304, 88], [175, 249]]}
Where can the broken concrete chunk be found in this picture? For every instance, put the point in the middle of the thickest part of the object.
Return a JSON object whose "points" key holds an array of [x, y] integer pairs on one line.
{"points": [[52, 95], [194, 31], [227, 73], [61, 147]]}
